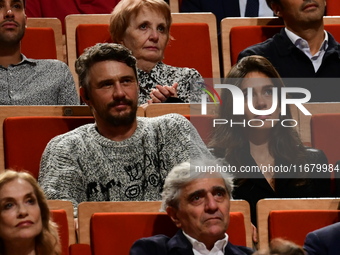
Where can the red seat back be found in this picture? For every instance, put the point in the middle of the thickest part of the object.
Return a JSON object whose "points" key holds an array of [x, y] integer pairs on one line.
{"points": [[79, 249], [245, 36], [60, 218], [190, 47], [237, 229], [333, 8], [203, 125], [39, 43], [25, 138], [325, 134], [88, 35], [114, 233], [180, 52], [294, 225]]}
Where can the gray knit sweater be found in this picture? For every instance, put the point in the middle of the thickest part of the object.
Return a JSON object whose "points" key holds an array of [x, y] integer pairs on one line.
{"points": [[82, 165]]}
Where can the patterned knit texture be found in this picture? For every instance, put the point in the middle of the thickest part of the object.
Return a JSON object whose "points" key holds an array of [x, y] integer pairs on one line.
{"points": [[82, 165], [189, 82], [37, 82]]}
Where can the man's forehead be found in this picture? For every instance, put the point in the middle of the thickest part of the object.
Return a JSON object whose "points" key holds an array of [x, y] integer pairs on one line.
{"points": [[114, 65], [206, 184]]}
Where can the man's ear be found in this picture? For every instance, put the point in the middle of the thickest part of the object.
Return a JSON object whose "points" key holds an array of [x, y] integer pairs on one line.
{"points": [[172, 212], [277, 9], [84, 96]]}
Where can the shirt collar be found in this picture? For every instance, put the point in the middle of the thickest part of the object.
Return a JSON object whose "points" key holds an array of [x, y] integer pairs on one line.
{"points": [[28, 60], [202, 249], [302, 43]]}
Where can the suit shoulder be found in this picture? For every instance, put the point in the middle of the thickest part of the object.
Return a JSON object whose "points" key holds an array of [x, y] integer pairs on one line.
{"points": [[154, 245]]}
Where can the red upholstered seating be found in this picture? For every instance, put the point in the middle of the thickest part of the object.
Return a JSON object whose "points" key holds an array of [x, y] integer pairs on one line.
{"points": [[245, 36], [39, 43], [88, 35], [80, 249], [60, 218], [333, 8], [203, 125], [114, 233], [325, 134], [190, 47], [294, 225], [25, 138], [236, 229]]}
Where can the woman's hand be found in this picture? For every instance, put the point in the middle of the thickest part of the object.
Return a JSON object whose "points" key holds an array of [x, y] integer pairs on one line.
{"points": [[161, 93]]}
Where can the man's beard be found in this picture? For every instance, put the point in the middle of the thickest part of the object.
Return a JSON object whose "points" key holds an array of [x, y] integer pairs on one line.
{"points": [[124, 119], [12, 39]]}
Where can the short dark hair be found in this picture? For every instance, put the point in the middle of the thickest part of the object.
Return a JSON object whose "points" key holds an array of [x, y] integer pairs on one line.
{"points": [[270, 2], [102, 52]]}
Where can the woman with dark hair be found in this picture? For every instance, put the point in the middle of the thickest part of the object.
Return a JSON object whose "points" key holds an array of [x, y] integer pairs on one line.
{"points": [[266, 143], [25, 225]]}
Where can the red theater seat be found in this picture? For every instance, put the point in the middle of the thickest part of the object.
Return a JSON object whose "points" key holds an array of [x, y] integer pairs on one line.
{"points": [[333, 8], [190, 47], [114, 233], [39, 43], [25, 138], [294, 225], [60, 218], [88, 35], [325, 134]]}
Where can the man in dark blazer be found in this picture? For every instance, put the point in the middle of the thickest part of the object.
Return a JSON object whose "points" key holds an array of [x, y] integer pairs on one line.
{"points": [[323, 241], [198, 203], [227, 8], [303, 49]]}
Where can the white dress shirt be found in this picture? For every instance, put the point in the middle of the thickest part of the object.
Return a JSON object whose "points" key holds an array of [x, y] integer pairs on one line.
{"points": [[200, 249]]}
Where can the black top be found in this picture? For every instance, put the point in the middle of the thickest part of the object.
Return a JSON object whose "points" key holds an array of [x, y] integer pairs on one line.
{"points": [[254, 189]]}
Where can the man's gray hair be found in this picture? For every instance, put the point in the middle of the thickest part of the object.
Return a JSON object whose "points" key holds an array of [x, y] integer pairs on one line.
{"points": [[186, 172]]}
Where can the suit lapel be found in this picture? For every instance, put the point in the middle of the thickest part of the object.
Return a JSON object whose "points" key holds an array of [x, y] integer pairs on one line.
{"points": [[180, 245]]}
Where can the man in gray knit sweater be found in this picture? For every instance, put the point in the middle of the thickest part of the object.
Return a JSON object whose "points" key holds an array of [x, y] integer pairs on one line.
{"points": [[120, 157]]}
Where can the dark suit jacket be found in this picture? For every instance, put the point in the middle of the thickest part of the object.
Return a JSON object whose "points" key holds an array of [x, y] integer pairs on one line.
{"points": [[221, 8], [177, 245], [324, 241], [291, 62]]}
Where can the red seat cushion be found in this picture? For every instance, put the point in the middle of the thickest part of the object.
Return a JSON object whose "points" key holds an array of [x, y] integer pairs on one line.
{"points": [[25, 138], [244, 36], [39, 43], [294, 225], [190, 47], [114, 233], [325, 134], [88, 35]]}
